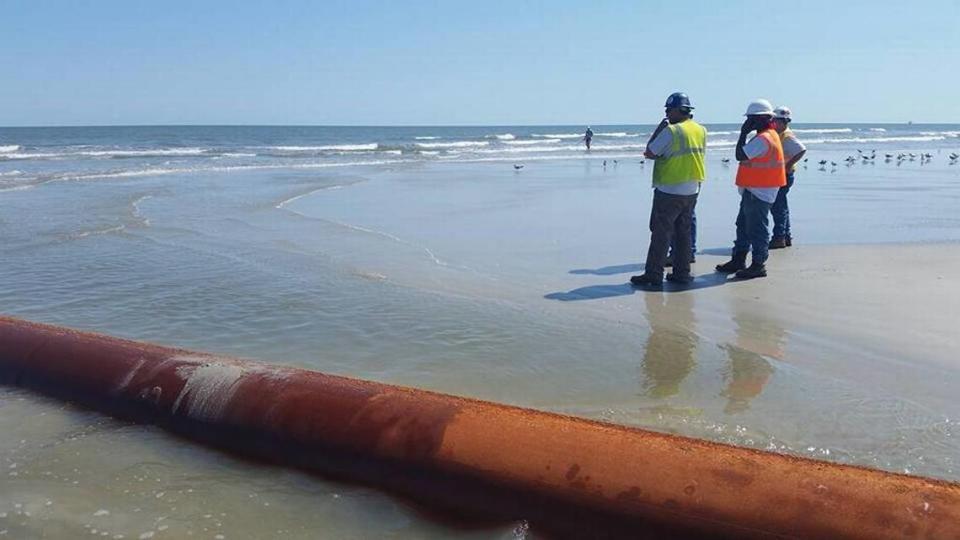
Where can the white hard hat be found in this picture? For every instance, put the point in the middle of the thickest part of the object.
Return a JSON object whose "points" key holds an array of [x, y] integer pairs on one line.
{"points": [[783, 112], [759, 106]]}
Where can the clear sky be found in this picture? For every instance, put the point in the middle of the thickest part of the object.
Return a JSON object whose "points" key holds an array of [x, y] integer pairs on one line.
{"points": [[331, 62]]}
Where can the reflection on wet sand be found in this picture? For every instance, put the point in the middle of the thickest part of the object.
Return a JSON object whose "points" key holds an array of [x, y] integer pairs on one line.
{"points": [[759, 335], [669, 355]]}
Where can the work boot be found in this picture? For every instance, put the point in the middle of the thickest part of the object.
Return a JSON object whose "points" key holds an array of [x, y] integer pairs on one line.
{"points": [[754, 271], [647, 280], [788, 240], [681, 279], [735, 264], [778, 243]]}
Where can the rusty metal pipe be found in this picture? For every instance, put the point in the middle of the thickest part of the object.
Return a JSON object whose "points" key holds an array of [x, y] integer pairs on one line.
{"points": [[567, 476]]}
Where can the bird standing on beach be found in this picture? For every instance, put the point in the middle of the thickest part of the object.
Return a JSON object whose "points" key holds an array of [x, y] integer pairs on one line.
{"points": [[517, 167]]}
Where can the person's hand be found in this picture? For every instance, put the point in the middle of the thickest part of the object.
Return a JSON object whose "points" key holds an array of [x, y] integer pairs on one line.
{"points": [[663, 123], [747, 126]]}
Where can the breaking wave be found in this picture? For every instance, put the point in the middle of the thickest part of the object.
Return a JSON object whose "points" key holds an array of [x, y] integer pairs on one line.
{"points": [[327, 148], [457, 144], [531, 143], [558, 135], [823, 130]]}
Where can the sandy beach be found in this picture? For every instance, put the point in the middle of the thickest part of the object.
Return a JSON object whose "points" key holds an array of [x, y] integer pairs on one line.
{"points": [[474, 279]]}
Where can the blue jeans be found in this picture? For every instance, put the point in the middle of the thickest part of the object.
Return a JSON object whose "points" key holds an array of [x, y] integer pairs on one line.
{"points": [[781, 210], [693, 236], [752, 227]]}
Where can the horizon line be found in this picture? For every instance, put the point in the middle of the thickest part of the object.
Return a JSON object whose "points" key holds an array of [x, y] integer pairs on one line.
{"points": [[435, 125]]}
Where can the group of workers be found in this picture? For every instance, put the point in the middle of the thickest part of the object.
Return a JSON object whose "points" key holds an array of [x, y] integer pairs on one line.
{"points": [[767, 151]]}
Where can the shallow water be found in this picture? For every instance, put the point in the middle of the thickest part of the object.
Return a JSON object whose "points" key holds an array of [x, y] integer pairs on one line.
{"points": [[474, 279]]}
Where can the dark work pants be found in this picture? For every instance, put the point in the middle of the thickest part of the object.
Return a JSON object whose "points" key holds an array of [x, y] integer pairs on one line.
{"points": [[781, 210], [670, 218], [752, 227], [693, 237]]}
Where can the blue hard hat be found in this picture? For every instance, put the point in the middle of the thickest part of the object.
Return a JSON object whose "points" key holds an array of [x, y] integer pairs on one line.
{"points": [[678, 99]]}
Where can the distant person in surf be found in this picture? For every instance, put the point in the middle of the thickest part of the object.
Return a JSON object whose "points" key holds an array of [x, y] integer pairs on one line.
{"points": [[587, 137], [677, 147]]}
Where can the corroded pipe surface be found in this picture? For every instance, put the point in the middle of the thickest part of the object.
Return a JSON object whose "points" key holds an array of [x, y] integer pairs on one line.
{"points": [[567, 476]]}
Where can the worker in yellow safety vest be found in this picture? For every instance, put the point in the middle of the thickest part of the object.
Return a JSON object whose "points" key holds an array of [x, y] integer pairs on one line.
{"points": [[677, 147], [760, 176]]}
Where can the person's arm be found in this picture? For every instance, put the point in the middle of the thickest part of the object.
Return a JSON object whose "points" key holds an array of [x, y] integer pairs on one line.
{"points": [[648, 152], [745, 131], [793, 161]]}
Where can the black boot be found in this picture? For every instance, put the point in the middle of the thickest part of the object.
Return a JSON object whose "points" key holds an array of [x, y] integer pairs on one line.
{"points": [[735, 264], [754, 271], [647, 281], [682, 279], [778, 243]]}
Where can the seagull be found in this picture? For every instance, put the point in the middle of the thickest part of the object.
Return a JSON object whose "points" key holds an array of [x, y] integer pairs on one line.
{"points": [[725, 160], [642, 161], [823, 162], [517, 167], [834, 163]]}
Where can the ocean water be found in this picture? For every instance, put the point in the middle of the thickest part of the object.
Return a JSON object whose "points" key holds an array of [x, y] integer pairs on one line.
{"points": [[31, 156], [420, 256]]}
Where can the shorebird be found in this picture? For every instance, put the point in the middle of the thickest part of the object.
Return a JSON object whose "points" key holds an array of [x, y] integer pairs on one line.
{"points": [[604, 164], [642, 161], [517, 167], [833, 163], [823, 162], [725, 160]]}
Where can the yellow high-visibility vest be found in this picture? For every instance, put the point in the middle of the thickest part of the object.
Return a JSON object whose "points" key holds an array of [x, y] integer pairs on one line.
{"points": [[684, 161]]}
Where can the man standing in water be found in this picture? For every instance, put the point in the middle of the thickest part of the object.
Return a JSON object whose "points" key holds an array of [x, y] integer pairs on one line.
{"points": [[759, 177], [793, 151], [587, 137], [677, 147]]}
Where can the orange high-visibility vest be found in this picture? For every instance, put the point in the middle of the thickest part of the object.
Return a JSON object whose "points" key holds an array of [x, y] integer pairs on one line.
{"points": [[766, 170]]}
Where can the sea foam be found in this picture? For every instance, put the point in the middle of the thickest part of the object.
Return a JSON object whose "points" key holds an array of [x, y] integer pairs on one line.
{"points": [[328, 148], [457, 144]]}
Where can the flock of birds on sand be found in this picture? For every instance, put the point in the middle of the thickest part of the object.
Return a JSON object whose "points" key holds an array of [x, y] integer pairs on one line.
{"points": [[862, 156], [900, 157]]}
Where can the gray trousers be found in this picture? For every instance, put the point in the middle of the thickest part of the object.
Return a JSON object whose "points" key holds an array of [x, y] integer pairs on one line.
{"points": [[670, 218]]}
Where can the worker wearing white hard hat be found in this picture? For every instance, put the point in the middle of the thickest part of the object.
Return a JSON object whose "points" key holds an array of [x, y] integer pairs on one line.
{"points": [[793, 151], [759, 177]]}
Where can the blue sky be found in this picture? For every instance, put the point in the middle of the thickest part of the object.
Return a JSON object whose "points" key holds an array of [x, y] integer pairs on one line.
{"points": [[491, 62]]}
